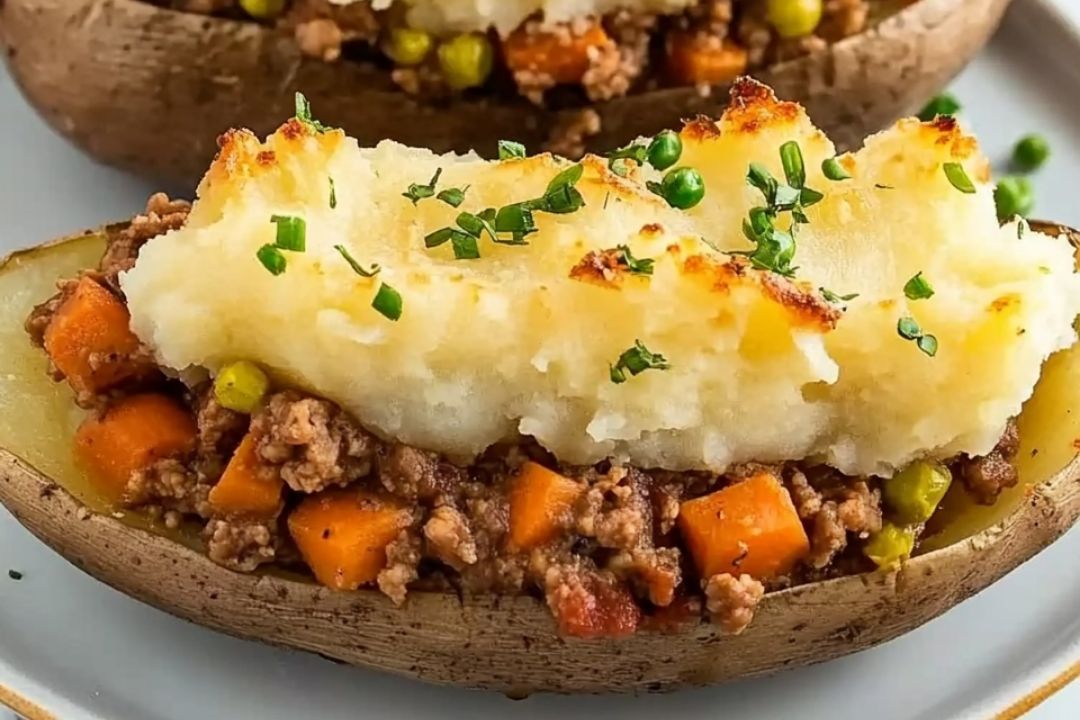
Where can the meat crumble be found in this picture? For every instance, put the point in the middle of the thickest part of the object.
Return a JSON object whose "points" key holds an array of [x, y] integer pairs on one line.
{"points": [[612, 549]]}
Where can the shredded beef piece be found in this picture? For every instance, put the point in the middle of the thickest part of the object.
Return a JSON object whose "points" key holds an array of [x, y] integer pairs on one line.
{"points": [[449, 538], [589, 603], [654, 572], [402, 559], [850, 508], [161, 216], [570, 132], [417, 474], [986, 477], [239, 545], [170, 484], [314, 442], [732, 601], [615, 509]]}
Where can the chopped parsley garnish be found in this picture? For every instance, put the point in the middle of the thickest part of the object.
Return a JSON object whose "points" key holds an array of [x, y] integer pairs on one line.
{"points": [[453, 196], [918, 288], [357, 267], [510, 150], [833, 170], [958, 177], [617, 158], [909, 329], [303, 114], [635, 361], [272, 259], [333, 195], [291, 232], [388, 302], [418, 192], [832, 297], [14, 574], [637, 266]]}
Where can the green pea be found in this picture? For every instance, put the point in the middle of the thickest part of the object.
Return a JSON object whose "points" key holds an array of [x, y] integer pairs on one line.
{"points": [[914, 493], [408, 47], [466, 61], [665, 150], [241, 386], [683, 188], [1030, 153], [891, 545], [794, 18], [943, 104], [263, 9], [1014, 196]]}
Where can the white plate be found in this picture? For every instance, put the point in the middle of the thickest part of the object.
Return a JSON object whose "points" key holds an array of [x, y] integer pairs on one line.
{"points": [[82, 651]]}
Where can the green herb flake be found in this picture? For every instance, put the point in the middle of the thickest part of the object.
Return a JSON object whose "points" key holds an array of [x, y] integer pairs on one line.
{"points": [[561, 196], [417, 192], [918, 288], [617, 158], [958, 177], [637, 266], [272, 259], [15, 574], [291, 232], [635, 361], [832, 297], [928, 344], [388, 302], [510, 150], [333, 195], [464, 245], [833, 170], [908, 328], [453, 196], [357, 267], [794, 168], [303, 114]]}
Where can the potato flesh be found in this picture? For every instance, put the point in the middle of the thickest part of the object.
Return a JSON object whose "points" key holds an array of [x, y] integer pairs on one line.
{"points": [[509, 344]]}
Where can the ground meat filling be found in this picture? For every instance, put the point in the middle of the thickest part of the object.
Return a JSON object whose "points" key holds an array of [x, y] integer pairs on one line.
{"points": [[731, 600], [239, 545], [986, 477]]}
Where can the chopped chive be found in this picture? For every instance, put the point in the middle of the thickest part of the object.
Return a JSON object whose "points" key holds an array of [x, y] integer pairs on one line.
{"points": [[958, 177], [417, 192], [510, 150], [453, 196], [291, 232], [928, 344], [388, 302], [918, 288], [272, 259], [617, 158], [833, 170], [333, 195], [438, 237], [477, 225], [357, 267], [635, 361], [637, 266], [908, 328], [794, 168], [832, 297], [303, 114], [464, 245]]}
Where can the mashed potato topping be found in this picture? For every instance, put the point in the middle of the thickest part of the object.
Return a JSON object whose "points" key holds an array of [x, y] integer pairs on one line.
{"points": [[521, 340], [440, 16]]}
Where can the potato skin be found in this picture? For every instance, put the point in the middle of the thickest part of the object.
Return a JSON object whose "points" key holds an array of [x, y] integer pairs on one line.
{"points": [[149, 90]]}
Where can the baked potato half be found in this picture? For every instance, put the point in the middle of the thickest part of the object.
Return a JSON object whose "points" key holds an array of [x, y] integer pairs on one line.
{"points": [[149, 89], [829, 391]]}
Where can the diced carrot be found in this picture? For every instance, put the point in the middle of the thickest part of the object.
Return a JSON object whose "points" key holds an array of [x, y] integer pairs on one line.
{"points": [[343, 534], [132, 434], [539, 504], [749, 527], [564, 59], [696, 59], [89, 340], [247, 487]]}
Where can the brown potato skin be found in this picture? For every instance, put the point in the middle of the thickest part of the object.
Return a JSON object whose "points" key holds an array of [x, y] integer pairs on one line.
{"points": [[149, 89], [510, 643]]}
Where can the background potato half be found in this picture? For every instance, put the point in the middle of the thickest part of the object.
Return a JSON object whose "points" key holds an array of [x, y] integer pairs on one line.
{"points": [[506, 643], [150, 89]]}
